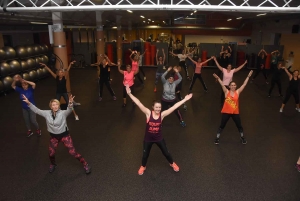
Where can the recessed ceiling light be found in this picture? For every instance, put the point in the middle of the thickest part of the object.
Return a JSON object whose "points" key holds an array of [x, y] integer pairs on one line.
{"points": [[149, 19], [192, 13], [142, 16], [144, 21], [114, 27], [195, 11], [129, 11], [261, 14], [229, 19], [152, 21], [238, 18]]}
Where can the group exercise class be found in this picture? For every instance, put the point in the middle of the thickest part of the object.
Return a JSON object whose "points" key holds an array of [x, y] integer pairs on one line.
{"points": [[114, 100]]}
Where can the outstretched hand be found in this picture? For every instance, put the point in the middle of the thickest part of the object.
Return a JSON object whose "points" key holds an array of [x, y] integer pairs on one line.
{"points": [[42, 64], [72, 62], [128, 90], [175, 69], [119, 62], [216, 76], [188, 97], [250, 73], [25, 99], [170, 68], [71, 99]]}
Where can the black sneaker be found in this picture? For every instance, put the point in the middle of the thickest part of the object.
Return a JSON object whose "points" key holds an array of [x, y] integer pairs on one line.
{"points": [[183, 124], [52, 168], [217, 140], [243, 140], [87, 169]]}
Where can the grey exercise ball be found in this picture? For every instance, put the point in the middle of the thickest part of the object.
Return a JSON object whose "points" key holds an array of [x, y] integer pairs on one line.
{"points": [[21, 51], [26, 76], [33, 75], [2, 55], [40, 73], [7, 81], [37, 49], [24, 65], [45, 59], [45, 48], [31, 64], [5, 69], [9, 52], [15, 66], [30, 50], [1, 86]]}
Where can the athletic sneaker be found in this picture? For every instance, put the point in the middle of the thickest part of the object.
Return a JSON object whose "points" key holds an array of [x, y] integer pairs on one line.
{"points": [[114, 98], [154, 89], [188, 78], [185, 107], [100, 99], [76, 104], [298, 167], [280, 110], [52, 168], [298, 109], [38, 132], [183, 124], [76, 117], [267, 82], [145, 78], [243, 140], [141, 170], [217, 140], [175, 167], [87, 169], [29, 133]]}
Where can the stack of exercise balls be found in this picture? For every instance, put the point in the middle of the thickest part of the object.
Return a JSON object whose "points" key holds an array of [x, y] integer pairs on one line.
{"points": [[23, 60]]}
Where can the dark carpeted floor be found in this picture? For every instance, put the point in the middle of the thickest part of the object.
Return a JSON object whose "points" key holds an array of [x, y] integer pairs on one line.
{"points": [[110, 138]]}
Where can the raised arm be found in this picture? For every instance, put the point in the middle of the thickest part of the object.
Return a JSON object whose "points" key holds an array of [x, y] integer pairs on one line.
{"points": [[192, 60], [70, 65], [179, 76], [172, 53], [207, 60], [288, 73], [239, 90], [119, 67], [218, 65], [130, 56], [32, 84], [70, 106], [222, 50], [164, 55], [259, 52], [16, 78], [163, 77], [225, 90], [174, 107], [229, 49], [240, 67], [144, 52], [145, 110], [32, 107], [156, 56], [265, 52], [49, 70]]}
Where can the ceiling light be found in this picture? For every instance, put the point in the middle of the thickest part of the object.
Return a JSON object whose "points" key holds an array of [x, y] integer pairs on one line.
{"points": [[149, 19], [229, 20], [152, 21], [192, 13], [129, 11], [114, 27], [144, 21], [142, 16], [38, 23], [195, 11], [164, 22], [261, 14], [238, 18]]}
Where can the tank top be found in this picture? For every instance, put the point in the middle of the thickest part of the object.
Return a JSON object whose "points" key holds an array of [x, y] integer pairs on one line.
{"points": [[134, 65], [231, 104], [227, 77], [198, 68], [293, 84], [104, 72], [61, 85], [128, 78], [160, 67], [153, 129]]}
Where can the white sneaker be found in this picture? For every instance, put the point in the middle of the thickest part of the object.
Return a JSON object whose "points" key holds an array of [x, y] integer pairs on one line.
{"points": [[76, 117], [76, 104], [298, 109], [280, 110]]}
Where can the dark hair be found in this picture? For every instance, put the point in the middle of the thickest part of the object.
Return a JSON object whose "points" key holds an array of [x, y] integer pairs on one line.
{"points": [[155, 101], [295, 71], [231, 83], [128, 65]]}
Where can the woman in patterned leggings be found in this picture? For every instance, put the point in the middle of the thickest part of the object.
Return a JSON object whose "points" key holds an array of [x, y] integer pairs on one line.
{"points": [[58, 129]]}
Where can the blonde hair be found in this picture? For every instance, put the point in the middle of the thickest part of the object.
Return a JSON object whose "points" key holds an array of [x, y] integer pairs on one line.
{"points": [[54, 100]]}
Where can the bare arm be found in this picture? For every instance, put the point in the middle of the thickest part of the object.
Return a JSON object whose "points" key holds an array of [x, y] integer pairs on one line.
{"points": [[207, 60], [163, 77], [15, 79], [156, 56], [259, 52], [145, 110], [222, 50], [174, 107], [32, 84], [71, 63], [131, 55], [239, 90], [192, 60], [119, 67], [288, 73], [218, 65], [174, 54], [164, 55], [49, 70], [240, 67], [225, 90]]}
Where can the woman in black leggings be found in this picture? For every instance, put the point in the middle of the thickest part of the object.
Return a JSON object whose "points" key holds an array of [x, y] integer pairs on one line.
{"points": [[261, 65], [293, 89], [153, 133]]}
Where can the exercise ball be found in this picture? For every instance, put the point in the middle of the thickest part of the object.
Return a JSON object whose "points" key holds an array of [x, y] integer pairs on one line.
{"points": [[2, 54], [26, 76], [31, 63], [5, 69], [37, 49], [33, 75], [15, 66], [30, 50], [1, 86], [24, 65], [7, 81], [45, 47], [45, 71], [45, 59], [40, 73], [38, 60], [9, 52], [21, 51]]}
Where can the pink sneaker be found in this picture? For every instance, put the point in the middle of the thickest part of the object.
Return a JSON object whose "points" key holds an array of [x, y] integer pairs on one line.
{"points": [[298, 167], [175, 167], [141, 170]]}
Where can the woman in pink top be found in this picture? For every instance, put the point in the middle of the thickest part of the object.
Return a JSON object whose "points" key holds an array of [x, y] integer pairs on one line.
{"points": [[135, 65], [128, 79], [197, 73], [227, 75]]}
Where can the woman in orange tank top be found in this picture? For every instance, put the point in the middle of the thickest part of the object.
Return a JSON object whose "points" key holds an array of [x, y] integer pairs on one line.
{"points": [[231, 107]]}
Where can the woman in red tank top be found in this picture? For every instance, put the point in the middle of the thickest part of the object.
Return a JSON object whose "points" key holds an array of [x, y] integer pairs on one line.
{"points": [[153, 129], [231, 107]]}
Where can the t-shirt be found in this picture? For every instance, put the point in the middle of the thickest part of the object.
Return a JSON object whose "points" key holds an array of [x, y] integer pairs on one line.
{"points": [[181, 57], [198, 68], [128, 78], [61, 85], [227, 76], [29, 95]]}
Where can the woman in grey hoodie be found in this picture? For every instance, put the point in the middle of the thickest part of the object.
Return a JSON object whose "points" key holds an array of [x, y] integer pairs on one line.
{"points": [[58, 129], [169, 93]]}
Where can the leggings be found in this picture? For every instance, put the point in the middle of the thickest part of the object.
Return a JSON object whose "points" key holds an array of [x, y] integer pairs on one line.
{"points": [[273, 82], [125, 92], [157, 77], [182, 65], [139, 77], [288, 94], [195, 76], [30, 116], [162, 145], [258, 71], [142, 70], [165, 105], [67, 140], [65, 95], [235, 117], [107, 83]]}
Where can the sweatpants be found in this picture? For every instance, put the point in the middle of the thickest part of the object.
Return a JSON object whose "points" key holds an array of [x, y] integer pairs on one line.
{"points": [[30, 116]]}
